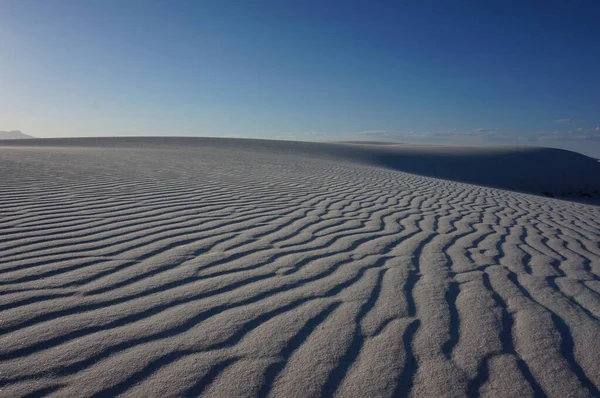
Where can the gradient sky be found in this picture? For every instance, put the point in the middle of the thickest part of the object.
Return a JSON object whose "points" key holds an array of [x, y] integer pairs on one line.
{"points": [[462, 72]]}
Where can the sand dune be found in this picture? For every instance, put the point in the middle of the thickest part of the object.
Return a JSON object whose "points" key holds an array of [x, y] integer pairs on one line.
{"points": [[533, 170], [220, 268]]}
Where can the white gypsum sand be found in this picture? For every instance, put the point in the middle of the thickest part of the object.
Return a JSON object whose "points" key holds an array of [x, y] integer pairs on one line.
{"points": [[160, 267]]}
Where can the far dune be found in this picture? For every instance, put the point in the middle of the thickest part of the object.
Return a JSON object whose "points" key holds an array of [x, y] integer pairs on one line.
{"points": [[534, 170]]}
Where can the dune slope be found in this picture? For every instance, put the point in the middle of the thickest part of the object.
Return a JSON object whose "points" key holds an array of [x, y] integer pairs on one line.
{"points": [[535, 170], [218, 268]]}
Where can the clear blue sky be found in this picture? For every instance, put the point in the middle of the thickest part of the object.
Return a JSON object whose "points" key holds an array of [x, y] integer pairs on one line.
{"points": [[464, 72]]}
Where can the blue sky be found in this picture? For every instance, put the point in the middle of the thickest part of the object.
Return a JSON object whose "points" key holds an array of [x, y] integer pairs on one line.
{"points": [[462, 72]]}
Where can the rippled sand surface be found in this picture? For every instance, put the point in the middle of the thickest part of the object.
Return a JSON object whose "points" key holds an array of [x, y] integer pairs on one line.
{"points": [[226, 268]]}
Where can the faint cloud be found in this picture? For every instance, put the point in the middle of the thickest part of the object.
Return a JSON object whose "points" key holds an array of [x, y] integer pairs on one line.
{"points": [[312, 134], [579, 134], [378, 133], [475, 136], [484, 136], [300, 136], [569, 121]]}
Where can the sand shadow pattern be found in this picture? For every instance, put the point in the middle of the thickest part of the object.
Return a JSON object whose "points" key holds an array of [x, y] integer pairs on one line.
{"points": [[231, 272]]}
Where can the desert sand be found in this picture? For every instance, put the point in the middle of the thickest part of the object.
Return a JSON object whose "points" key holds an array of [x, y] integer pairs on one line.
{"points": [[155, 267]]}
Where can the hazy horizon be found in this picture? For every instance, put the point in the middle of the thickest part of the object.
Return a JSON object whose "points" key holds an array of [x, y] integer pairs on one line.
{"points": [[475, 74]]}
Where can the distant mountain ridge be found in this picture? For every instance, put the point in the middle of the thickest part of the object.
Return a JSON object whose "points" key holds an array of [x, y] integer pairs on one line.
{"points": [[13, 135]]}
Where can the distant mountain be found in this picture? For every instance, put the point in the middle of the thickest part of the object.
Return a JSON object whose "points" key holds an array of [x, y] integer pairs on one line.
{"points": [[13, 135]]}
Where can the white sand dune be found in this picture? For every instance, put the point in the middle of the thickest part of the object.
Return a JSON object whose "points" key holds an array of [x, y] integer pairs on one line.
{"points": [[188, 267]]}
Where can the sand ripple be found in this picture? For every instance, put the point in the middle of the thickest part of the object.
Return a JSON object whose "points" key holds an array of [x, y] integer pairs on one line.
{"points": [[226, 272]]}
